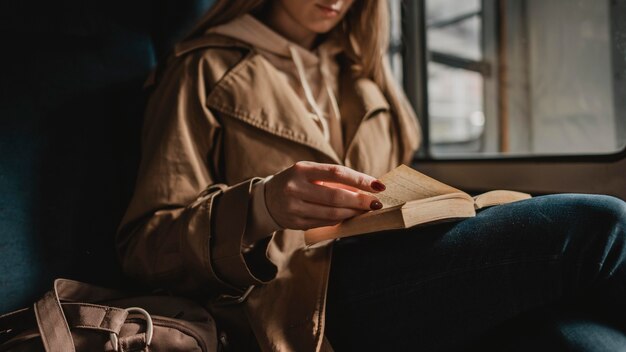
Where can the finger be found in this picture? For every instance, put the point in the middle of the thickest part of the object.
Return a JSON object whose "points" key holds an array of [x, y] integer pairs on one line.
{"points": [[337, 185], [304, 209], [338, 197], [343, 175]]}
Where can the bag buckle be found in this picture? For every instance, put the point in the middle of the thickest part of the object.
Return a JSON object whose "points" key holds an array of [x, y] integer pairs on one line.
{"points": [[115, 342], [227, 300]]}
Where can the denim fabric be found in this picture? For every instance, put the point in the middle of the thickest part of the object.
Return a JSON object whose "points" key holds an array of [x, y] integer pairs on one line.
{"points": [[556, 264]]}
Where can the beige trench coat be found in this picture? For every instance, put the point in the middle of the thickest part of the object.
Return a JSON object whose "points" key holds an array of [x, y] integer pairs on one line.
{"points": [[220, 118]]}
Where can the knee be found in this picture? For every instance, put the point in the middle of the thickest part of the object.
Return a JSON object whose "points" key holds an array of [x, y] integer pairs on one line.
{"points": [[617, 209], [606, 209], [584, 215], [600, 224], [596, 208], [595, 231]]}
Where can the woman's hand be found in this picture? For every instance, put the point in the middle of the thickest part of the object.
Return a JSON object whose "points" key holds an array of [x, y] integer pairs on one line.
{"points": [[308, 195]]}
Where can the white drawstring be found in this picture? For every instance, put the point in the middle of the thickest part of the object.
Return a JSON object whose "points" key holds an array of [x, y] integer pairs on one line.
{"points": [[308, 93], [329, 88], [336, 138]]}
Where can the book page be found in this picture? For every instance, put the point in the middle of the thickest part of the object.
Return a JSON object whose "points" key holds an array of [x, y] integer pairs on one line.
{"points": [[498, 197], [406, 184]]}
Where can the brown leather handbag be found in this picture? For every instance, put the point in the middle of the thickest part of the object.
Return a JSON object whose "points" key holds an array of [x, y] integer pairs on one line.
{"points": [[79, 317]]}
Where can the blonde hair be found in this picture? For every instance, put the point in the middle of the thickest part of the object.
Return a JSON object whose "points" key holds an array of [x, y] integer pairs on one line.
{"points": [[363, 32]]}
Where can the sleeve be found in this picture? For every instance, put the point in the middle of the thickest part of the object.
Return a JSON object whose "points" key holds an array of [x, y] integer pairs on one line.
{"points": [[183, 230]]}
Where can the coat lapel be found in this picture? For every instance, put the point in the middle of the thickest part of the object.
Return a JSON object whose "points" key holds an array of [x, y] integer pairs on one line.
{"points": [[256, 94]]}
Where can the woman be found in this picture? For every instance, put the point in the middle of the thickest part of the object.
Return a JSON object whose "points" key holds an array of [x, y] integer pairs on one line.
{"points": [[266, 121]]}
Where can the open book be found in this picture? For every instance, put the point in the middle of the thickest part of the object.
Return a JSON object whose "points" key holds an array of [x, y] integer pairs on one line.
{"points": [[411, 199]]}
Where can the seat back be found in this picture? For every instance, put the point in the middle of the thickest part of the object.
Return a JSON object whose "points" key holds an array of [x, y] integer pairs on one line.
{"points": [[71, 103]]}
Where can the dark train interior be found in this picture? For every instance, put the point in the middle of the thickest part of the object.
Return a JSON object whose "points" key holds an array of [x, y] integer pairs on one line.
{"points": [[527, 95]]}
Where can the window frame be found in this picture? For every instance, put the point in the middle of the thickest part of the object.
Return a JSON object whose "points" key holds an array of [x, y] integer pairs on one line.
{"points": [[415, 82], [536, 174]]}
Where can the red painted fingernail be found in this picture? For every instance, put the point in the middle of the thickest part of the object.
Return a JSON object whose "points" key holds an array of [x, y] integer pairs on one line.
{"points": [[378, 186], [375, 205]]}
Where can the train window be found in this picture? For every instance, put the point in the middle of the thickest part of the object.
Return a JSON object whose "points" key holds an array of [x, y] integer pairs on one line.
{"points": [[523, 77]]}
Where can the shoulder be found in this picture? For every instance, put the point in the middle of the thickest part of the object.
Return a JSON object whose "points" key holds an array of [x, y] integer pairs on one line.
{"points": [[179, 87], [208, 59]]}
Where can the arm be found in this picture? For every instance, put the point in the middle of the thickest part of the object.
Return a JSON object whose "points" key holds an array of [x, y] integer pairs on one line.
{"points": [[186, 230], [170, 234]]}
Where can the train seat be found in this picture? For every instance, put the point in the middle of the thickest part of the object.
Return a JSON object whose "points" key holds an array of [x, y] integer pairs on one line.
{"points": [[71, 107]]}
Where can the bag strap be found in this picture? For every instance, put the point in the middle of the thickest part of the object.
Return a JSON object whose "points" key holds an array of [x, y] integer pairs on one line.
{"points": [[16, 321], [95, 317], [53, 328], [52, 320], [77, 315], [62, 309]]}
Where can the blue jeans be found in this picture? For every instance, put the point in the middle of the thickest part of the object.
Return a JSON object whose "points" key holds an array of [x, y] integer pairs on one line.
{"points": [[544, 274]]}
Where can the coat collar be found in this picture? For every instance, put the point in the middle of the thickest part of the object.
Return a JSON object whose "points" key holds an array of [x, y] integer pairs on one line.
{"points": [[254, 93], [274, 106], [360, 99]]}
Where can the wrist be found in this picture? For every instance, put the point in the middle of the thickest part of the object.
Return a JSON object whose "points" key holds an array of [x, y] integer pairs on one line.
{"points": [[260, 221]]}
